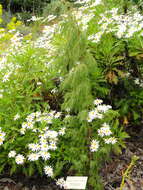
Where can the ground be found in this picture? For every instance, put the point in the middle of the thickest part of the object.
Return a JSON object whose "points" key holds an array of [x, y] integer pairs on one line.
{"points": [[113, 170]]}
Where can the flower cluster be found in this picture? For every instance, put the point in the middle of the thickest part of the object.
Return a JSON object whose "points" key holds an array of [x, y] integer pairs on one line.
{"points": [[98, 112], [19, 158], [94, 145], [45, 138], [34, 19], [45, 40], [104, 132], [123, 25], [111, 140], [85, 14], [33, 118]]}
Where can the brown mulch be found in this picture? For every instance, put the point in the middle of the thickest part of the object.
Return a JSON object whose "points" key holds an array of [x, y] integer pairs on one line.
{"points": [[27, 183], [113, 171]]}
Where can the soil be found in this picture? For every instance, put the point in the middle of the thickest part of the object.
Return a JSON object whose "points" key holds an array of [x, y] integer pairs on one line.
{"points": [[111, 172]]}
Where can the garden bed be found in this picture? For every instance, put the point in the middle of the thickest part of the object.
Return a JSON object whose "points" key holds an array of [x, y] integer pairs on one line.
{"points": [[111, 172]]}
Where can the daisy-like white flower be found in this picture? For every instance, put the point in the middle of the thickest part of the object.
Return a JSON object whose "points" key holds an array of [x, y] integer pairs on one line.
{"points": [[2, 134], [111, 140], [94, 146], [103, 108], [22, 131], [62, 131], [16, 117], [34, 147], [37, 114], [44, 147], [24, 125], [42, 139], [53, 146], [57, 115], [30, 117], [48, 171], [2, 137], [105, 130], [45, 155], [30, 125], [93, 115], [98, 101], [19, 159], [51, 134], [12, 154], [33, 157], [61, 182]]}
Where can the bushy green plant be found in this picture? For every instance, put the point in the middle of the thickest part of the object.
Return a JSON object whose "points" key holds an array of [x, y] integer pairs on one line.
{"points": [[56, 7]]}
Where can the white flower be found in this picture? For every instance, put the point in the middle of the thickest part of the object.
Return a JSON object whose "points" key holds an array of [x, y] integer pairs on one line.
{"points": [[19, 159], [97, 2], [105, 130], [96, 37], [22, 131], [111, 140], [37, 114], [34, 18], [2, 137], [24, 125], [98, 101], [137, 81], [39, 83], [29, 125], [103, 108], [62, 131], [94, 146], [53, 146], [48, 171], [61, 182], [6, 77], [51, 134], [54, 90], [17, 116], [34, 147], [1, 141], [45, 155], [33, 157], [30, 118], [57, 115], [44, 147], [12, 154], [93, 115], [67, 116]]}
